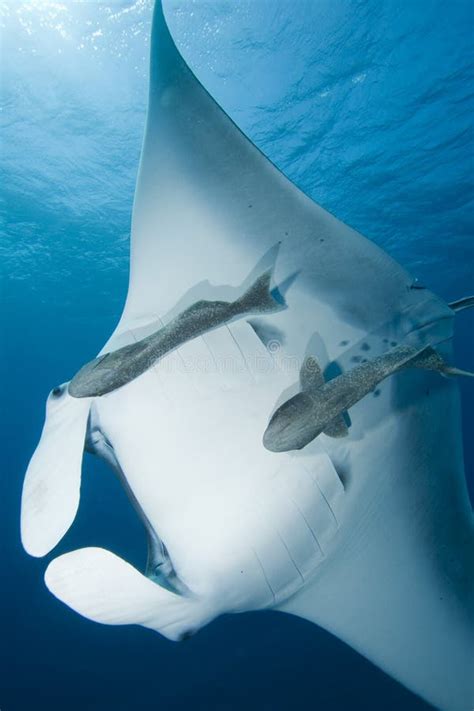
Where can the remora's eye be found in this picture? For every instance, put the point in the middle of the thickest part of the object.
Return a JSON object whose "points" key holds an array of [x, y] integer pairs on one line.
{"points": [[56, 392]]}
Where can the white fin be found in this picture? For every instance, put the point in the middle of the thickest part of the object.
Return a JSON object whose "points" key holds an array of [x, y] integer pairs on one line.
{"points": [[52, 483], [253, 207], [104, 588]]}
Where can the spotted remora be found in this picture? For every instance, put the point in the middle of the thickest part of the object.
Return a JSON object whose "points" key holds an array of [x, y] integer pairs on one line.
{"points": [[320, 406], [113, 370]]}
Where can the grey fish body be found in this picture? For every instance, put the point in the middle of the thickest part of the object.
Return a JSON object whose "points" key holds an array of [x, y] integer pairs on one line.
{"points": [[320, 406], [113, 370]]}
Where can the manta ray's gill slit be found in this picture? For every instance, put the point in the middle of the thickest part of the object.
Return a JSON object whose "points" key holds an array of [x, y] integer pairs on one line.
{"points": [[290, 555], [210, 351], [315, 481], [244, 359], [260, 564], [313, 534]]}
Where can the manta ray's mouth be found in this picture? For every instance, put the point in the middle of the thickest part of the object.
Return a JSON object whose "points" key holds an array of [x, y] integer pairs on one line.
{"points": [[159, 566], [163, 573]]}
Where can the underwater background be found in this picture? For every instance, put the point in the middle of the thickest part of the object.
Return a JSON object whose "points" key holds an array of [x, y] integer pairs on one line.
{"points": [[367, 105]]}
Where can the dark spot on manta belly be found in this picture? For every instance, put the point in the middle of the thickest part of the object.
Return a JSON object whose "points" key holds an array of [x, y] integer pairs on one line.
{"points": [[377, 393], [393, 343], [356, 359], [365, 347], [344, 343]]}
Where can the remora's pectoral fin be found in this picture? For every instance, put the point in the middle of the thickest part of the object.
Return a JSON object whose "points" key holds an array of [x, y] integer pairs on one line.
{"points": [[52, 483], [104, 588], [337, 428]]}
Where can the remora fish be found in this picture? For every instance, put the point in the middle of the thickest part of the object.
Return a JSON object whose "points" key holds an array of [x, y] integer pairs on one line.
{"points": [[319, 407], [113, 370]]}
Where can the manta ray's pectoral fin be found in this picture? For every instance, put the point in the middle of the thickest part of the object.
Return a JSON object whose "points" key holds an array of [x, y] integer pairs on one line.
{"points": [[104, 588], [52, 483]]}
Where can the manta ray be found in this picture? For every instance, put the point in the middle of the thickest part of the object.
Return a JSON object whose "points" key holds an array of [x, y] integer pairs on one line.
{"points": [[369, 535]]}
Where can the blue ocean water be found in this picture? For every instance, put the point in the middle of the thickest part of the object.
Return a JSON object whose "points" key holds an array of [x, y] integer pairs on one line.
{"points": [[368, 107]]}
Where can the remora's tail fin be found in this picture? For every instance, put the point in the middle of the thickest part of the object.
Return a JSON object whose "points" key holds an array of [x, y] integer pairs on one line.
{"points": [[311, 377], [104, 588], [429, 359], [52, 483], [260, 298], [460, 304]]}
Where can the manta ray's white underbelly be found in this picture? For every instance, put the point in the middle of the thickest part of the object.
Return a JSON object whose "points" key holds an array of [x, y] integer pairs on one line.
{"points": [[243, 526]]}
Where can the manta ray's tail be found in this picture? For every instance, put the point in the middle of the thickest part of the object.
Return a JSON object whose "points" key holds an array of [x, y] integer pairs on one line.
{"points": [[466, 303], [448, 370], [104, 588]]}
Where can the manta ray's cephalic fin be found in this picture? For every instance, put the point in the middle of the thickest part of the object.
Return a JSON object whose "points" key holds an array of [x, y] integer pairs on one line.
{"points": [[102, 587], [52, 483]]}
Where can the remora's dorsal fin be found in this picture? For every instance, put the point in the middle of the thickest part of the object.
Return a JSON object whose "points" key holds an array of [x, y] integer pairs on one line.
{"points": [[52, 483], [311, 377], [259, 298], [466, 302], [337, 428], [102, 587], [311, 374]]}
